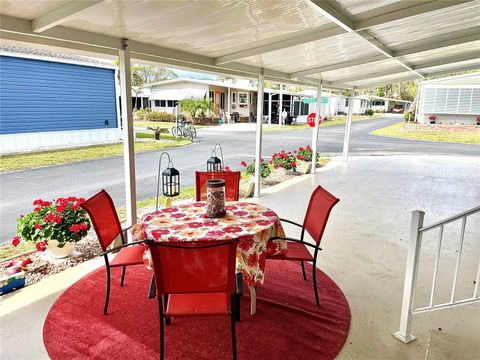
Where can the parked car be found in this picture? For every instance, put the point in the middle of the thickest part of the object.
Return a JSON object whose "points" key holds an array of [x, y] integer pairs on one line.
{"points": [[397, 109]]}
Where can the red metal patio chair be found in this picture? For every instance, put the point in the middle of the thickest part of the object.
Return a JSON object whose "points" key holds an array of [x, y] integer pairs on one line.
{"points": [[105, 221], [232, 184], [318, 211], [194, 278]]}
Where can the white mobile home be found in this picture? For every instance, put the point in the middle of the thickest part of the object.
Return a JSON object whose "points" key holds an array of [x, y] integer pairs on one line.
{"points": [[453, 100]]}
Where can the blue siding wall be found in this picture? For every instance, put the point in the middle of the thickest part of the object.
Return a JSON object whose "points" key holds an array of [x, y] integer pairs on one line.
{"points": [[37, 95]]}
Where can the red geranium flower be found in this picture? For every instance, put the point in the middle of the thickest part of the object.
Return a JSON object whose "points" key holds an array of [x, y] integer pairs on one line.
{"points": [[50, 217], [301, 148], [299, 157], [76, 206], [16, 240], [74, 228], [83, 226], [60, 208], [227, 169], [57, 220], [262, 161], [38, 226], [41, 246], [281, 165], [293, 164], [243, 163]]}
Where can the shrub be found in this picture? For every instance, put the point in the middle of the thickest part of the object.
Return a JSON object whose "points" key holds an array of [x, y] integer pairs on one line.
{"points": [[140, 113], [62, 220], [305, 154], [250, 168], [369, 112], [409, 115], [284, 160], [160, 116]]}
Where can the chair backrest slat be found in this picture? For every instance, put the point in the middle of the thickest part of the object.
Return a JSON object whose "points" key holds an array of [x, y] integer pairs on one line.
{"points": [[104, 218], [193, 266], [232, 184], [318, 211]]}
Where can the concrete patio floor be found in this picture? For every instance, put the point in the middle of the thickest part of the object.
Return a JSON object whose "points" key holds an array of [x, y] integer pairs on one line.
{"points": [[364, 251]]}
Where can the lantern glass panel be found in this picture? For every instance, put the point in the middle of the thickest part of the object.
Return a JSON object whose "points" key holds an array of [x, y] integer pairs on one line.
{"points": [[214, 164]]}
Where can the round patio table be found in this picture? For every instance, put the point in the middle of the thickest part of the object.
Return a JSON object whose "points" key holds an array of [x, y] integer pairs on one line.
{"points": [[248, 223]]}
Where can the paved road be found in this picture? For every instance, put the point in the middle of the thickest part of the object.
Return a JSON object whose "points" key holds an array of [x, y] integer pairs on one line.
{"points": [[19, 189]]}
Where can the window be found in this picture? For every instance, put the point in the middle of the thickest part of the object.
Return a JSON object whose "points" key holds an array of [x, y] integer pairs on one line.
{"points": [[378, 103], [163, 103], [346, 101], [243, 98], [303, 108], [222, 100], [234, 97], [171, 103], [210, 94], [451, 100], [157, 103]]}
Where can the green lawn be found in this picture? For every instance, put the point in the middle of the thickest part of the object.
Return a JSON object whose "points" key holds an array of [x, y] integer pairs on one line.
{"points": [[335, 120], [400, 131], [163, 125], [55, 157]]}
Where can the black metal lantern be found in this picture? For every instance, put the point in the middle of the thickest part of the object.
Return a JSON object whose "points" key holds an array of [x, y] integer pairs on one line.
{"points": [[170, 179], [214, 163]]}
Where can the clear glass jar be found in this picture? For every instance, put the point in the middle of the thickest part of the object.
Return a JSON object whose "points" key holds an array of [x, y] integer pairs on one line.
{"points": [[215, 198]]}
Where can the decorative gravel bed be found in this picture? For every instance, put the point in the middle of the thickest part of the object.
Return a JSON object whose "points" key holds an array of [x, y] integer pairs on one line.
{"points": [[42, 265]]}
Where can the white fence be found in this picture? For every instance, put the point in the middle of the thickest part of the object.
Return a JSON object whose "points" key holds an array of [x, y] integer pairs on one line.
{"points": [[415, 243]]}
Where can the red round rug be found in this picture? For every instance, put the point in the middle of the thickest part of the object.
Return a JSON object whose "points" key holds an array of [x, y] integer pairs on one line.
{"points": [[287, 324]]}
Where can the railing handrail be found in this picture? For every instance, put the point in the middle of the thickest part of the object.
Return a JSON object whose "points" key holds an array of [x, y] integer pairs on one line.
{"points": [[450, 219]]}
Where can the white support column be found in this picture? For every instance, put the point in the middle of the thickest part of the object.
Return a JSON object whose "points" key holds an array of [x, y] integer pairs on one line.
{"points": [[229, 105], [269, 108], [258, 135], [329, 112], [315, 129], [411, 271], [280, 106], [128, 135], [348, 126]]}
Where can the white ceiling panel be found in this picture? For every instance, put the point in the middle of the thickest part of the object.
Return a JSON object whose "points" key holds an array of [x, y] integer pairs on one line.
{"points": [[449, 51], [462, 64], [318, 53], [355, 7], [208, 27], [29, 9], [428, 25], [361, 70]]}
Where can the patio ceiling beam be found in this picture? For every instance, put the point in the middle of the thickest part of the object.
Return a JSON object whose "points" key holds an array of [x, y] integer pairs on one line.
{"points": [[61, 14], [282, 42], [409, 77], [342, 19], [424, 65], [389, 13], [21, 30], [454, 38]]}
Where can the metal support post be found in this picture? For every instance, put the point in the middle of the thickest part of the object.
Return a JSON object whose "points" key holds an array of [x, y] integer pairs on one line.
{"points": [[411, 271], [348, 125], [128, 135], [258, 135], [315, 129]]}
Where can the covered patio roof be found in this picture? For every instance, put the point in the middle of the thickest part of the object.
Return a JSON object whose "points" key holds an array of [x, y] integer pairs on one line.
{"points": [[343, 44]]}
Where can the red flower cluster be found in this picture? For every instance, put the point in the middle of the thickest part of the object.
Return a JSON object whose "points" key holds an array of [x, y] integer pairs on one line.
{"points": [[243, 163], [51, 217], [39, 203], [227, 169], [16, 240], [41, 245], [76, 228], [73, 201]]}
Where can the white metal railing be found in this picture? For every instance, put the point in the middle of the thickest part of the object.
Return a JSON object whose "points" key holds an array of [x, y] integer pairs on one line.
{"points": [[416, 232]]}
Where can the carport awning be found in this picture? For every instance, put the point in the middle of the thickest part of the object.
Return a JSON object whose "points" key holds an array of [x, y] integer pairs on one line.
{"points": [[177, 94]]}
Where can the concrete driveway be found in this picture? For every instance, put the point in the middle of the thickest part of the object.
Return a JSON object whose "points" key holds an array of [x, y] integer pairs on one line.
{"points": [[19, 189]]}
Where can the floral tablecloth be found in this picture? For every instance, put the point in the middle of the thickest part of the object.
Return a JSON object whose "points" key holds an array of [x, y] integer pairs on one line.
{"points": [[251, 224]]}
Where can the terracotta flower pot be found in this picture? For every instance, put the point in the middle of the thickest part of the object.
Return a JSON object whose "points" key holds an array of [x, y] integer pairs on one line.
{"points": [[59, 252]]}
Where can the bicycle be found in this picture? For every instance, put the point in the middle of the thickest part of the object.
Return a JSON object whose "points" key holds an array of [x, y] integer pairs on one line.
{"points": [[184, 129]]}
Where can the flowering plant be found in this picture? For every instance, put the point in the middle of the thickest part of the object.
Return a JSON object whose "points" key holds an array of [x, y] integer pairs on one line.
{"points": [[305, 154], [432, 117], [284, 160], [478, 120], [62, 220], [250, 168]]}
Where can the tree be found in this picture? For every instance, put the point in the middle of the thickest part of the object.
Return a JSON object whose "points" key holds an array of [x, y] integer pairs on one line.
{"points": [[189, 106], [147, 74]]}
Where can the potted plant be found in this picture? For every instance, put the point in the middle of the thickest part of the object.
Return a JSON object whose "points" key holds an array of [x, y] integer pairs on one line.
{"points": [[432, 119], [250, 170], [54, 226], [284, 160], [157, 131], [304, 156], [478, 120]]}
